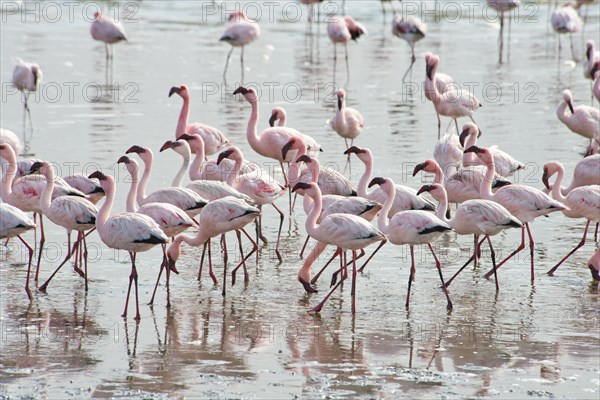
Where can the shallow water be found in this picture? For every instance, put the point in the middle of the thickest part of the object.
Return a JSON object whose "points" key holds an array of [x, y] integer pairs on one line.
{"points": [[526, 341]]}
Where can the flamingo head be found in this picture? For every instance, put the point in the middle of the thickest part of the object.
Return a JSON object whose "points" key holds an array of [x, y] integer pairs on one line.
{"points": [[303, 186], [293, 144], [305, 159], [363, 154], [194, 140], [436, 190], [550, 168], [481, 152], [469, 129], [8, 153], [225, 154], [41, 167], [182, 91], [131, 165], [431, 66], [97, 15], [427, 57], [427, 166], [378, 181], [276, 114], [37, 75], [237, 16], [249, 94], [173, 253], [181, 147], [568, 98], [142, 152], [106, 181], [589, 50], [341, 98]]}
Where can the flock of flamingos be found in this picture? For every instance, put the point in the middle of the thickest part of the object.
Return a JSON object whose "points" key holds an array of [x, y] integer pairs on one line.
{"points": [[227, 193]]}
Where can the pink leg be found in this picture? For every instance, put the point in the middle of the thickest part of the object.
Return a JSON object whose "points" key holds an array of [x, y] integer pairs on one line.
{"points": [[521, 247], [320, 305], [67, 258], [412, 274], [493, 255], [336, 273], [210, 268], [531, 252], [449, 281], [30, 249], [281, 217], [316, 277], [131, 275], [202, 261], [371, 256], [163, 264], [41, 247], [137, 301], [439, 268], [353, 282], [304, 247], [225, 260], [85, 257], [581, 243], [244, 259]]}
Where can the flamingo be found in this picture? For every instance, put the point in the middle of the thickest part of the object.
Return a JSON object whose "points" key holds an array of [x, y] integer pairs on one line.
{"points": [[90, 187], [240, 32], [133, 232], [347, 232], [474, 217], [590, 66], [108, 31], [596, 85], [411, 29], [582, 202], [347, 122], [202, 170], [71, 213], [502, 7], [448, 153], [587, 172], [269, 142], [311, 13], [342, 30], [218, 217], [14, 222], [442, 81], [26, 78], [185, 199], [594, 265], [454, 102], [214, 140], [257, 184], [582, 120], [405, 198], [384, 10], [171, 220], [11, 138], [410, 227], [565, 19], [522, 201], [278, 114], [506, 165], [24, 193]]}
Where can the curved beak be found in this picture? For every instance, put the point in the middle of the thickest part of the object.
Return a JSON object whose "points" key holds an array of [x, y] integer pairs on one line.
{"points": [[286, 148], [123, 160], [545, 180], [135, 149], [339, 98], [186, 137], [419, 168], [241, 90], [425, 188], [301, 186], [98, 175], [35, 167], [376, 181], [428, 71], [474, 149], [570, 104], [171, 265], [353, 150], [463, 136], [304, 158], [223, 155], [273, 119], [167, 145], [174, 89]]}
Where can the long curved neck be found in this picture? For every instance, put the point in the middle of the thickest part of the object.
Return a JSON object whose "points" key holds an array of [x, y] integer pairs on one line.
{"points": [[178, 180], [130, 203], [282, 119], [340, 114], [560, 111], [485, 189], [439, 175], [183, 117], [196, 166], [193, 241], [7, 180], [233, 175], [46, 198], [470, 158], [443, 206], [251, 131], [383, 221], [307, 203], [104, 212], [556, 188], [363, 191], [313, 216], [141, 192]]}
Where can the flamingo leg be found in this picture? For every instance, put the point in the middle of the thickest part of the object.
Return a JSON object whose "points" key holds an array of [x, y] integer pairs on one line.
{"points": [[30, 249], [281, 217], [244, 259], [531, 252], [41, 247], [353, 282], [449, 281], [163, 264], [521, 247], [225, 261], [334, 60], [78, 256], [335, 254], [133, 272], [439, 268], [493, 255], [508, 44], [572, 48], [361, 269], [476, 250], [319, 306], [501, 39], [83, 243], [304, 247], [412, 62], [242, 63], [202, 261], [67, 258], [412, 275], [579, 245], [596, 232], [456, 124], [137, 301], [347, 64], [336, 273], [210, 269], [227, 65]]}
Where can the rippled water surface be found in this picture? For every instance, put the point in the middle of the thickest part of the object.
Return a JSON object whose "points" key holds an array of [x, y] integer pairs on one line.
{"points": [[526, 341]]}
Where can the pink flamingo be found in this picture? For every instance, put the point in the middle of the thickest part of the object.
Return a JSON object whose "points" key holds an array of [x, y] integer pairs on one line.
{"points": [[442, 82], [259, 185], [342, 30], [411, 29], [214, 140], [71, 213], [474, 217], [132, 232], [270, 141], [26, 78], [582, 202], [506, 165], [90, 187], [240, 32], [217, 218], [278, 114], [502, 7], [522, 201], [582, 120], [347, 122], [565, 19], [594, 265], [10, 138], [108, 31], [14, 222], [311, 4], [587, 172], [454, 102], [410, 227], [171, 220], [596, 85], [592, 57], [186, 199], [347, 232]]}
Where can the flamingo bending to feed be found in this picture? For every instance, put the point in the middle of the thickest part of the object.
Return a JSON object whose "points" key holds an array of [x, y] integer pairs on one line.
{"points": [[72, 213], [186, 199], [108, 31], [217, 218], [171, 220], [410, 227], [405, 198], [506, 165], [454, 102], [565, 19], [594, 265], [411, 29], [214, 140], [582, 120], [502, 7], [582, 202], [343, 30], [14, 222], [259, 185], [347, 232], [270, 141], [524, 202], [474, 217], [240, 32], [26, 78], [132, 232]]}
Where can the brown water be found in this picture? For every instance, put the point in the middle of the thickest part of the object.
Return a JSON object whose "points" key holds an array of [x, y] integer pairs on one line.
{"points": [[526, 341]]}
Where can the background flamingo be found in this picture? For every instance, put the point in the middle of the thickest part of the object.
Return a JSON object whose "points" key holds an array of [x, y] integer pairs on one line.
{"points": [[26, 78], [342, 30], [502, 7], [582, 120], [240, 32], [411, 29], [566, 20]]}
